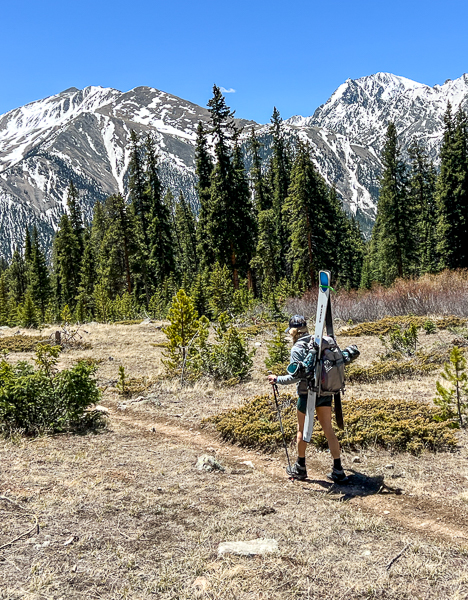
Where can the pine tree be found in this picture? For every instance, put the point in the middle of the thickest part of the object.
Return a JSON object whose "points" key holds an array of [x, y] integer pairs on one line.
{"points": [[452, 193], [76, 217], [261, 197], [203, 169], [307, 209], [113, 260], [454, 399], [345, 250], [280, 177], [220, 291], [394, 238], [422, 197], [243, 228], [139, 196], [28, 312], [27, 247], [88, 276], [162, 240], [40, 280], [4, 302], [222, 180], [67, 260], [186, 234], [266, 259], [17, 276]]}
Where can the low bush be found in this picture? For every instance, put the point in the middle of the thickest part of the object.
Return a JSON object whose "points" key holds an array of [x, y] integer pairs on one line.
{"points": [[36, 400], [21, 343], [420, 364], [388, 324], [400, 425]]}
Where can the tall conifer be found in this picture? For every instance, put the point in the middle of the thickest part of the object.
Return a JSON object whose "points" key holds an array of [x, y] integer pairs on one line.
{"points": [[452, 193], [394, 236]]}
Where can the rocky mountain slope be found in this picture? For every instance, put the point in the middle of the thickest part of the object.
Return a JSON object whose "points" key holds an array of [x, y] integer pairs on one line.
{"points": [[83, 135]]}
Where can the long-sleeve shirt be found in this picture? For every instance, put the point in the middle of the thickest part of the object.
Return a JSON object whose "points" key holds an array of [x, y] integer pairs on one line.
{"points": [[298, 353]]}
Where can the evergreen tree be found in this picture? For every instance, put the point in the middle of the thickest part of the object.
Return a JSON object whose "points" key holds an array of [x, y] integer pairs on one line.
{"points": [[27, 248], [139, 197], [266, 259], [40, 280], [345, 248], [17, 276], [28, 312], [452, 193], [261, 197], [422, 197], [88, 276], [243, 228], [394, 236], [76, 217], [162, 239], [222, 181], [113, 260], [186, 235], [4, 302], [67, 260], [203, 170], [307, 210], [280, 177]]}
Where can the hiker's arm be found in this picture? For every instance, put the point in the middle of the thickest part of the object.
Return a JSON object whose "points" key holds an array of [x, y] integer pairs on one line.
{"points": [[296, 356]]}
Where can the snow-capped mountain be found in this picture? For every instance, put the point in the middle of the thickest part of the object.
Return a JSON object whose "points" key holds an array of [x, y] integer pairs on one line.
{"points": [[361, 109], [83, 135]]}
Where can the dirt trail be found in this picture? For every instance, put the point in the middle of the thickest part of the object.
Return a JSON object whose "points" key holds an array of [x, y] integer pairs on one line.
{"points": [[417, 515]]}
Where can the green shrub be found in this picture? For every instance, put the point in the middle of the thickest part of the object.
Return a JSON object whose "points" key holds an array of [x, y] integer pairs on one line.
{"points": [[401, 340], [400, 425], [278, 349], [387, 324], [39, 400], [229, 356], [429, 327], [21, 343], [398, 366]]}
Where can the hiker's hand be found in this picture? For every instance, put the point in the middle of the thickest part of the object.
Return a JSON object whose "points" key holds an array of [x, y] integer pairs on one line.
{"points": [[272, 379]]}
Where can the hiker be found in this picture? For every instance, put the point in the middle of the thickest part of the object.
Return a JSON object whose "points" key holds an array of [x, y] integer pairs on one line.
{"points": [[300, 335]]}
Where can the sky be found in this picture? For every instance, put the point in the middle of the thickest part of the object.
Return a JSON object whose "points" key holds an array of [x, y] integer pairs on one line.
{"points": [[291, 55]]}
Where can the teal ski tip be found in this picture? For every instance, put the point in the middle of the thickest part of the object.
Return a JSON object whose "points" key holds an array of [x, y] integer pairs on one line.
{"points": [[324, 280]]}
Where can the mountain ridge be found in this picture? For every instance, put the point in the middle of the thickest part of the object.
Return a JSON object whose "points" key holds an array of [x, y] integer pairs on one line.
{"points": [[83, 135]]}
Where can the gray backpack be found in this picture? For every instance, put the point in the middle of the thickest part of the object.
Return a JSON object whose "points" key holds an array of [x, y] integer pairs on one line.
{"points": [[333, 362]]}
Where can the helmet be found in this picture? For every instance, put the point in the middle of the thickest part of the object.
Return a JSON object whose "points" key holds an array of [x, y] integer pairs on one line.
{"points": [[295, 322]]}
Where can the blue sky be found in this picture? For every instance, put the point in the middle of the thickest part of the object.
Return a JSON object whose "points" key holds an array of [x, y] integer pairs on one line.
{"points": [[289, 54]]}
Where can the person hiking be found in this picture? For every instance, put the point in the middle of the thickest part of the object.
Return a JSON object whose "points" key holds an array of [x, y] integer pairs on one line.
{"points": [[300, 335]]}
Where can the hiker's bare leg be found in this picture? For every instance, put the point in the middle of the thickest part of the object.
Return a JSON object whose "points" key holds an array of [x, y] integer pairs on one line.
{"points": [[324, 417], [301, 445]]}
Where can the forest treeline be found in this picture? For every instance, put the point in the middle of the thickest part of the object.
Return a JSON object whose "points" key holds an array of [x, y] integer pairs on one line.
{"points": [[259, 236]]}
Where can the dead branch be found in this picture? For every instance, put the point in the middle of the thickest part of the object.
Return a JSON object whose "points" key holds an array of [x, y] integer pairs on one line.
{"points": [[393, 561], [34, 528]]}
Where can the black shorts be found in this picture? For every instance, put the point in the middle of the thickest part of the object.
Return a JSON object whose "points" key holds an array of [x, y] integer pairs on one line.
{"points": [[320, 401]]}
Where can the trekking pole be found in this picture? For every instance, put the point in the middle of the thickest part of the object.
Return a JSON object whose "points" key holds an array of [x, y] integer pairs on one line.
{"points": [[275, 394]]}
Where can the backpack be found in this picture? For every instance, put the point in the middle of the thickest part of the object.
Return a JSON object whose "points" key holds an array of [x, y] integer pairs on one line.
{"points": [[332, 371]]}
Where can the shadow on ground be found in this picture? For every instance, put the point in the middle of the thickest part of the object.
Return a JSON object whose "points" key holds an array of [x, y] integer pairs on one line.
{"points": [[358, 485]]}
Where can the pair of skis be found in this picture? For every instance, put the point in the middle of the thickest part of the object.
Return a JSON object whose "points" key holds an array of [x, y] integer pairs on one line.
{"points": [[323, 318]]}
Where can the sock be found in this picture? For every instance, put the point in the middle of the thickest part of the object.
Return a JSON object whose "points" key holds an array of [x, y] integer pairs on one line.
{"points": [[301, 461], [337, 464]]}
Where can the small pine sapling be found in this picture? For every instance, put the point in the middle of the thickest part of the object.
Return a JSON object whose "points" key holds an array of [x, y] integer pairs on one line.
{"points": [[122, 382], [278, 352], [453, 400], [429, 327]]}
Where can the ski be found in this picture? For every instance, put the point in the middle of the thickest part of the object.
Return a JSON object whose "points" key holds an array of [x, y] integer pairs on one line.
{"points": [[320, 319], [337, 396]]}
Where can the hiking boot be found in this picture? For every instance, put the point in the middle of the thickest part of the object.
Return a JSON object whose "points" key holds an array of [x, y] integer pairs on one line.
{"points": [[338, 476], [297, 472]]}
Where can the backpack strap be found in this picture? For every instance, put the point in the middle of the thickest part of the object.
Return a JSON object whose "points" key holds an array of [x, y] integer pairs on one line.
{"points": [[336, 397]]}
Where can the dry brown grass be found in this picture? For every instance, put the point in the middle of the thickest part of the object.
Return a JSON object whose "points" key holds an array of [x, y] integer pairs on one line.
{"points": [[144, 523]]}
